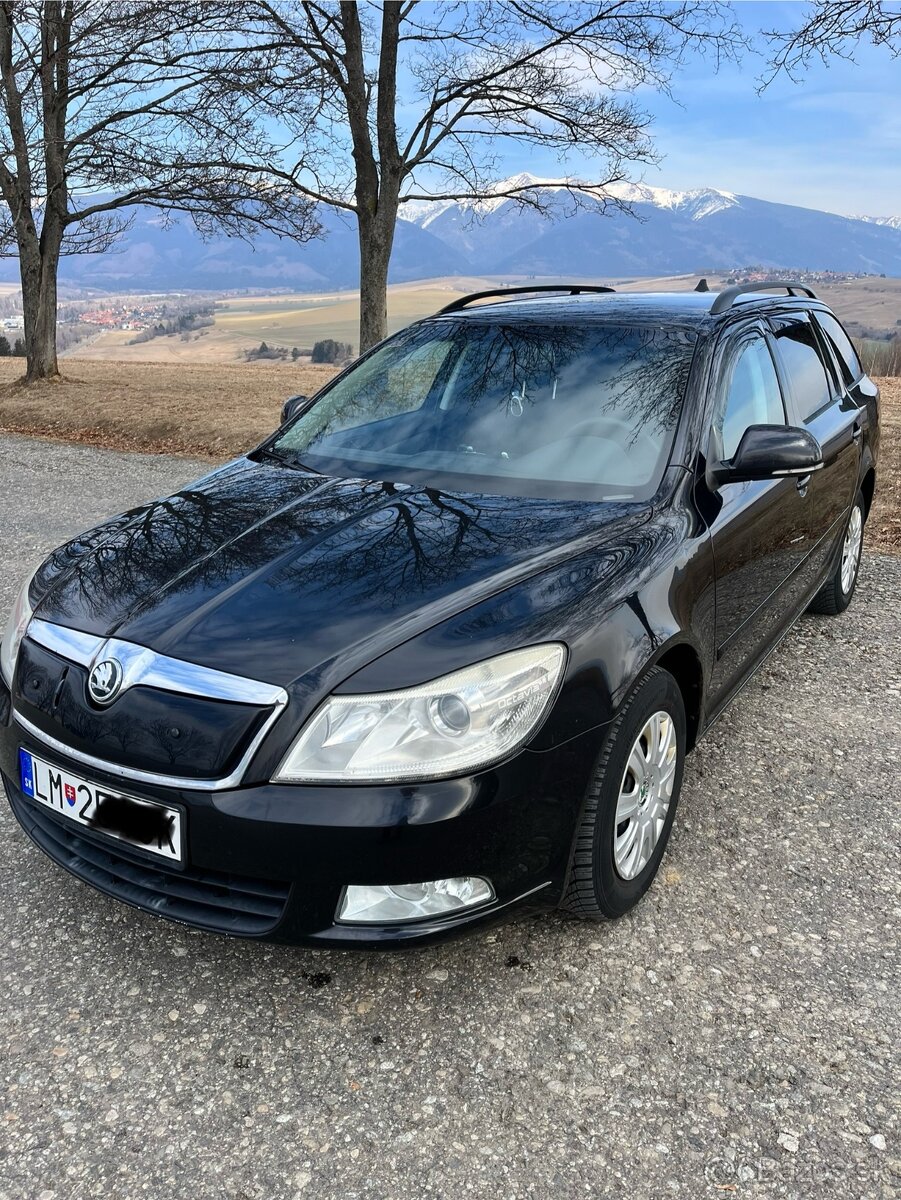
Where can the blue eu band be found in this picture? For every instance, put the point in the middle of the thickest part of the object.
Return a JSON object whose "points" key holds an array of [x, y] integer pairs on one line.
{"points": [[26, 772]]}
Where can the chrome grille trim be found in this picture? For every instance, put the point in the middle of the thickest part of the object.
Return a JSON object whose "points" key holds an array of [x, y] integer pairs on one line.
{"points": [[72, 644], [143, 666]]}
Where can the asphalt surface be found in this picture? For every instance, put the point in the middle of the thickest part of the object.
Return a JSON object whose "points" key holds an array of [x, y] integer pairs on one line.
{"points": [[737, 1035]]}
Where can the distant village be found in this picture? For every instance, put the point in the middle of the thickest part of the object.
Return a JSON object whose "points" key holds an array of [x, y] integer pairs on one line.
{"points": [[762, 274], [126, 316]]}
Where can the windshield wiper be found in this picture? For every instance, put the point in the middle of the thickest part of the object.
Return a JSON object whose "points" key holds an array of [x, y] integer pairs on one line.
{"points": [[285, 460]]}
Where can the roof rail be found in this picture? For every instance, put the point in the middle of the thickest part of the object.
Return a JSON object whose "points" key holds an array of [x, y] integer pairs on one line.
{"points": [[574, 289], [726, 299]]}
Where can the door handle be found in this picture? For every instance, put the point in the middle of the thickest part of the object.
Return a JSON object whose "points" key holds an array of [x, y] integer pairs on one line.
{"points": [[803, 484]]}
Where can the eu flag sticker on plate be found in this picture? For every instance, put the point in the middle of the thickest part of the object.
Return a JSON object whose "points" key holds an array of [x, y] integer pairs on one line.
{"points": [[26, 772]]}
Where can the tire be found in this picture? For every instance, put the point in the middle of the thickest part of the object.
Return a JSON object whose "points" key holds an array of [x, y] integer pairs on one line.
{"points": [[601, 885], [835, 594]]}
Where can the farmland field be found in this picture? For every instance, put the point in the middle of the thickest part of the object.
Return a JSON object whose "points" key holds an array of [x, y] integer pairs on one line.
{"points": [[300, 319]]}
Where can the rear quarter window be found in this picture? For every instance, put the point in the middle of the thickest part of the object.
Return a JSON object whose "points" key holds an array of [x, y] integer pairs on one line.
{"points": [[842, 346]]}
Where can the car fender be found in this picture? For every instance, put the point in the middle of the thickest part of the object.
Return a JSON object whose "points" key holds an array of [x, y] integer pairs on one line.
{"points": [[619, 609]]}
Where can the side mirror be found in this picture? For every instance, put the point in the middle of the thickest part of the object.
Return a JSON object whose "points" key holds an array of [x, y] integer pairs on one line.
{"points": [[769, 452], [292, 407]]}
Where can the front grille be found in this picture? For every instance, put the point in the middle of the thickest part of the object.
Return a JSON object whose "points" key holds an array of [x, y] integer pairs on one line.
{"points": [[210, 900], [145, 729]]}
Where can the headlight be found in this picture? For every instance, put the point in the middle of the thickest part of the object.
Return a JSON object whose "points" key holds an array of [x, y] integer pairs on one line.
{"points": [[15, 630], [460, 722]]}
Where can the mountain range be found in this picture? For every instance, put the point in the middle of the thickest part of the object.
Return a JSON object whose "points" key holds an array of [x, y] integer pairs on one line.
{"points": [[670, 232]]}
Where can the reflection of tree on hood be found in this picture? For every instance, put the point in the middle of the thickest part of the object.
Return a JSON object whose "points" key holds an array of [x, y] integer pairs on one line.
{"points": [[417, 539], [304, 532], [157, 544]]}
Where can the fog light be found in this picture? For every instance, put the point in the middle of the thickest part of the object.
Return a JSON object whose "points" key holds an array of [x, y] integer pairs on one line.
{"points": [[383, 903]]}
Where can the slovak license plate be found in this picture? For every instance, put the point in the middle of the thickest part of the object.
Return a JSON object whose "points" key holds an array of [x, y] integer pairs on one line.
{"points": [[143, 824]]}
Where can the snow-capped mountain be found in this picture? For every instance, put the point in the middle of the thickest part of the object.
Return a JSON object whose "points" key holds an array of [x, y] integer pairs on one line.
{"points": [[676, 231], [892, 222], [671, 232], [699, 203]]}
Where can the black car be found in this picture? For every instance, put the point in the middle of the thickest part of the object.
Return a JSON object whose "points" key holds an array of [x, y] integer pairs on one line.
{"points": [[437, 649]]}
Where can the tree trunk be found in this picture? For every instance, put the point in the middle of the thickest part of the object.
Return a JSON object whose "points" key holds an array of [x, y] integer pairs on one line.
{"points": [[38, 266], [378, 181], [41, 346], [30, 278], [376, 239]]}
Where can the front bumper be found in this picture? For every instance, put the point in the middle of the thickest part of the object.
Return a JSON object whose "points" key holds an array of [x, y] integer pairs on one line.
{"points": [[271, 861]]}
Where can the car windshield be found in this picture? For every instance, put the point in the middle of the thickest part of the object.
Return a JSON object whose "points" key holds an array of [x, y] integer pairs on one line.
{"points": [[513, 409]]}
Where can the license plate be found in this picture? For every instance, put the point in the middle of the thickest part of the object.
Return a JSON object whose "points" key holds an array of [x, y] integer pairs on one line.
{"points": [[141, 823]]}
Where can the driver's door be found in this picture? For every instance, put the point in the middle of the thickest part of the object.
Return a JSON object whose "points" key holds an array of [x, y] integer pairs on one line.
{"points": [[757, 533]]}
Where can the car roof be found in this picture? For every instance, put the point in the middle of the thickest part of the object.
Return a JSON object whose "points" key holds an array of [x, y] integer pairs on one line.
{"points": [[680, 310]]}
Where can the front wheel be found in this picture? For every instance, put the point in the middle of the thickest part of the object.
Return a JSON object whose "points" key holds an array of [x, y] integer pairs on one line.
{"points": [[835, 594], [631, 802]]}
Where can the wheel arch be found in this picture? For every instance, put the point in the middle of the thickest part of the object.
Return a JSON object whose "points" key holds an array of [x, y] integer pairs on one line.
{"points": [[683, 662], [868, 488]]}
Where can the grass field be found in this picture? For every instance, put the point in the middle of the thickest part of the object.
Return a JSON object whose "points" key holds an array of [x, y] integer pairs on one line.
{"points": [[217, 411], [301, 319], [283, 320], [205, 409], [301, 322]]}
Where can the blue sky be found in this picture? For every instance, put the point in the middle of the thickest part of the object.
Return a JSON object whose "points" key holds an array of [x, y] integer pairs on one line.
{"points": [[831, 141]]}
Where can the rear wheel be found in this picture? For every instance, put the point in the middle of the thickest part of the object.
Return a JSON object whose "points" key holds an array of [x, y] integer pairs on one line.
{"points": [[631, 802], [835, 595]]}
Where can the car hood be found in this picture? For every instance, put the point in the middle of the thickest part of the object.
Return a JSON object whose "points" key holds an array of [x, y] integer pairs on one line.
{"points": [[275, 573]]}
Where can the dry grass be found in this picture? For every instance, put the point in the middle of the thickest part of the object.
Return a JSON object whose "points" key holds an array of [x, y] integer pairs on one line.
{"points": [[884, 525], [216, 411], [205, 409], [880, 358]]}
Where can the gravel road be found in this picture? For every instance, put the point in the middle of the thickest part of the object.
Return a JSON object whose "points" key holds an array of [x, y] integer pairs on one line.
{"points": [[737, 1035]]}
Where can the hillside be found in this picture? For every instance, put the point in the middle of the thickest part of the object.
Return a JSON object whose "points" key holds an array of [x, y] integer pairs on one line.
{"points": [[671, 232]]}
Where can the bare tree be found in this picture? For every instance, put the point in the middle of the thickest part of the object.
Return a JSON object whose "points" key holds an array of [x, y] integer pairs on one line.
{"points": [[107, 105], [416, 101], [834, 28]]}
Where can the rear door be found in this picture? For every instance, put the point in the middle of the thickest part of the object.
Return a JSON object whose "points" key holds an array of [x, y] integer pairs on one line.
{"points": [[819, 402], [756, 527]]}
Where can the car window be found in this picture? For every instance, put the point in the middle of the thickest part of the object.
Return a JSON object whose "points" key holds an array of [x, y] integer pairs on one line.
{"points": [[799, 352], [848, 362], [514, 408], [752, 395], [401, 388]]}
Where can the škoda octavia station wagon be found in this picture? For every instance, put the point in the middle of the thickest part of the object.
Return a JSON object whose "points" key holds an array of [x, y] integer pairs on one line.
{"points": [[437, 649]]}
